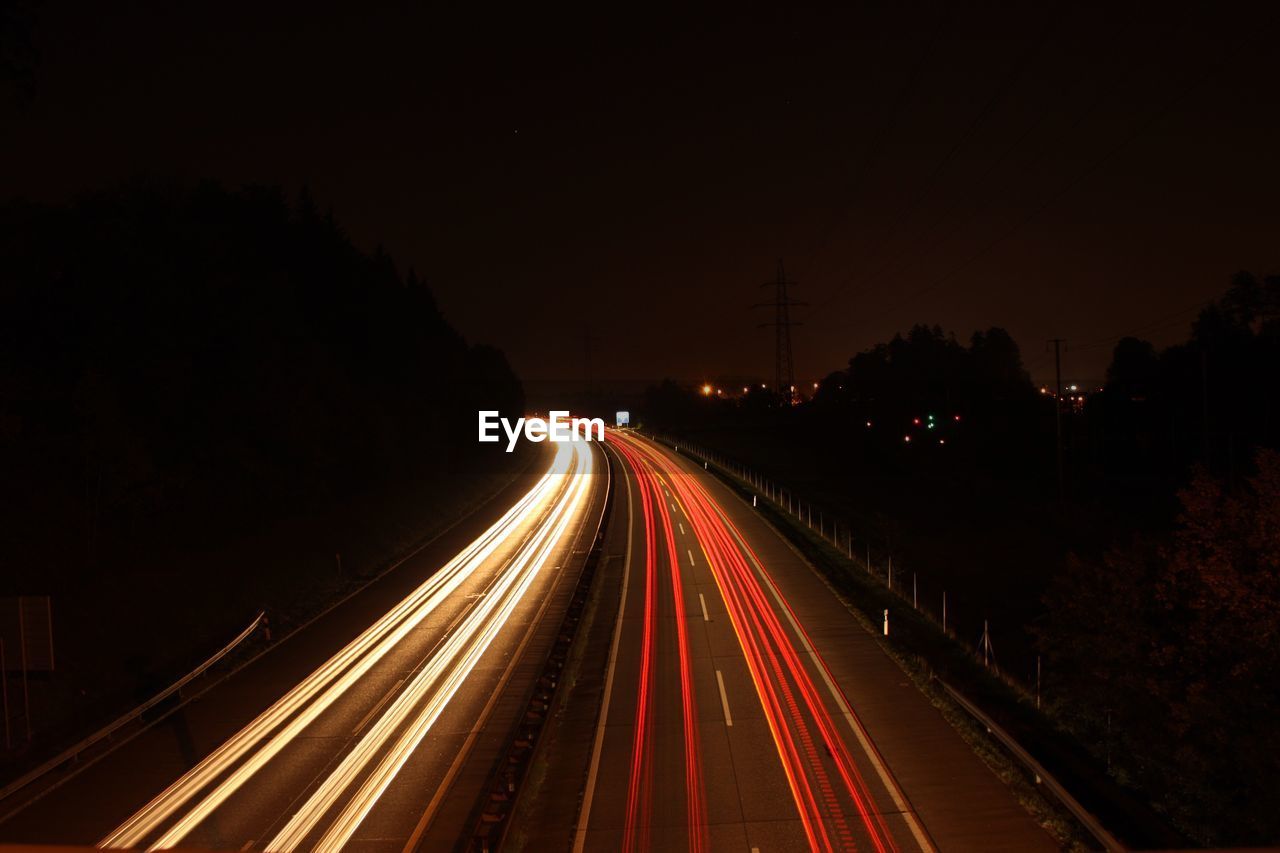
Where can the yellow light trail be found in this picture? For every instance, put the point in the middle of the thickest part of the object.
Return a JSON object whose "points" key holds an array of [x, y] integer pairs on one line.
{"points": [[446, 672], [311, 697]]}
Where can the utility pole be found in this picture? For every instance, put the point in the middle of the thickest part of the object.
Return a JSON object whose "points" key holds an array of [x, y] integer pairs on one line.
{"points": [[1057, 406], [1204, 401], [784, 365]]}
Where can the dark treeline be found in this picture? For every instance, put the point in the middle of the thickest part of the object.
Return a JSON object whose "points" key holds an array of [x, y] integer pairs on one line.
{"points": [[180, 365], [1208, 400], [861, 415], [1165, 646], [1164, 652], [1149, 589]]}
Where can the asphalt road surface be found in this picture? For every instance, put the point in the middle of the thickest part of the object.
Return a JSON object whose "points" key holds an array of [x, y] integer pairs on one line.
{"points": [[745, 708], [373, 726]]}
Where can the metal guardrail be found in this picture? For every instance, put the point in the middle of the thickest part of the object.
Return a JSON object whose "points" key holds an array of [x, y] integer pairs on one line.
{"points": [[74, 752], [1086, 818], [1108, 841]]}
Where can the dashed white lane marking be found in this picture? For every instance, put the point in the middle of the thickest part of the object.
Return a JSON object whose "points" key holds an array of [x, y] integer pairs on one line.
{"points": [[724, 699], [703, 601]]}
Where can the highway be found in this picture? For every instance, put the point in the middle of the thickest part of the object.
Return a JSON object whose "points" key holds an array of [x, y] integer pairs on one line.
{"points": [[744, 708], [738, 706], [363, 730]]}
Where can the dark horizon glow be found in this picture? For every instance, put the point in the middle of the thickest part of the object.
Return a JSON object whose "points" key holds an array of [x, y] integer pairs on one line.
{"points": [[1074, 173]]}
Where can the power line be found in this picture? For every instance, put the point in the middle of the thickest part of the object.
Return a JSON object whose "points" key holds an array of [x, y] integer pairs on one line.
{"points": [[1002, 90], [904, 94], [1071, 184], [914, 251], [1161, 323], [1057, 407]]}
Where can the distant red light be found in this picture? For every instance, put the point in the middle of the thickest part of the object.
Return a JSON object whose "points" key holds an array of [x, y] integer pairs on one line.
{"points": [[916, 421]]}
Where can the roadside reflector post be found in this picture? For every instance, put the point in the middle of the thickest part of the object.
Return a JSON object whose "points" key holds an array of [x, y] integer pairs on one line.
{"points": [[886, 621]]}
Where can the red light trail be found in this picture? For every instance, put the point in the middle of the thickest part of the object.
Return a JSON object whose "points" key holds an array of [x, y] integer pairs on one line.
{"points": [[798, 719], [640, 787], [639, 794]]}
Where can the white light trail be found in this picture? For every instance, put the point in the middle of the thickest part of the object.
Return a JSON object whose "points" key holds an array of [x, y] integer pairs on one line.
{"points": [[446, 672], [306, 701]]}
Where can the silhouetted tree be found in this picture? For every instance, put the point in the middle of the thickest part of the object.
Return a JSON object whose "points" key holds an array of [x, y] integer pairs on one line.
{"points": [[1209, 395], [1134, 368], [996, 365], [175, 358], [1175, 645]]}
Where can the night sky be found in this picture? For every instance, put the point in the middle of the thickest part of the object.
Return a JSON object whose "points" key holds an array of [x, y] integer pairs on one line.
{"points": [[1075, 170]]}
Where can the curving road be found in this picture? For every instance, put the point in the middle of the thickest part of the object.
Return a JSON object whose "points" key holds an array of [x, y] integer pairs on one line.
{"points": [[375, 723], [744, 708], [727, 700]]}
